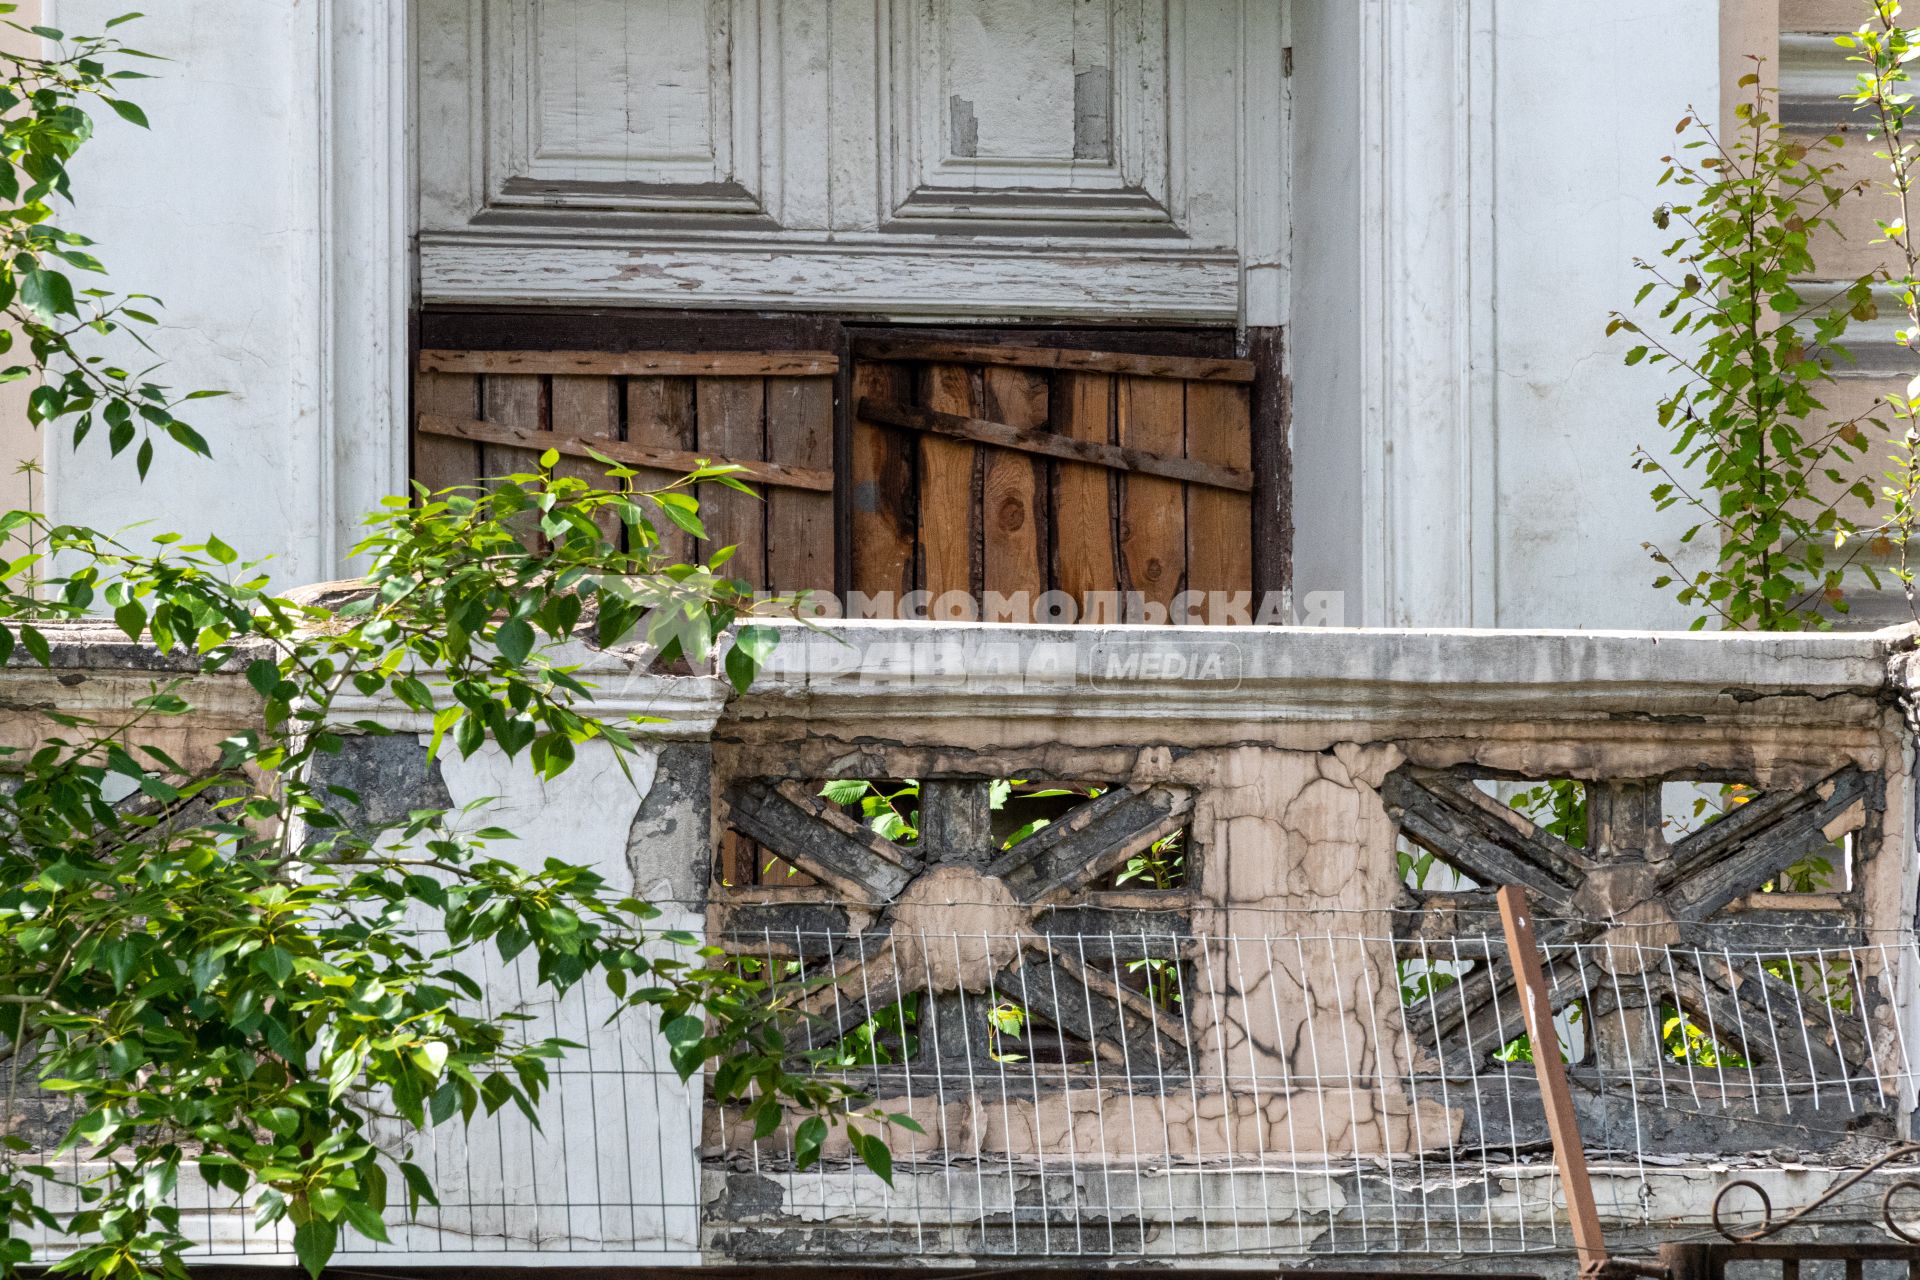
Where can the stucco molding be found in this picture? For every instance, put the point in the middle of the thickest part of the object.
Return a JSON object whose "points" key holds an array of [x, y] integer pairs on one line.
{"points": [[366, 263]]}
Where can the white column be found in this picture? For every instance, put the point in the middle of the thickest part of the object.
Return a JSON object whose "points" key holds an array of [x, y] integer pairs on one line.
{"points": [[1426, 302], [366, 263]]}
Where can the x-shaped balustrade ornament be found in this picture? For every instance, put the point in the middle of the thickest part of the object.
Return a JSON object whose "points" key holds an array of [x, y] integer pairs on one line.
{"points": [[955, 915], [1639, 898]]}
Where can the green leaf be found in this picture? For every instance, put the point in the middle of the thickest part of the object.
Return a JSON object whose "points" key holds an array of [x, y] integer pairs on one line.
{"points": [[514, 639], [313, 1243], [364, 1219], [47, 293], [128, 111], [220, 551], [874, 1154]]}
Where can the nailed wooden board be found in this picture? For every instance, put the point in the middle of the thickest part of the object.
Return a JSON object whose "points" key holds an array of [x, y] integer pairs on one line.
{"points": [[881, 498], [587, 408], [1083, 544], [1094, 450], [753, 471], [731, 414], [660, 420], [441, 462], [800, 522], [947, 504], [1145, 366], [1150, 414], [1219, 523], [1013, 502], [682, 364]]}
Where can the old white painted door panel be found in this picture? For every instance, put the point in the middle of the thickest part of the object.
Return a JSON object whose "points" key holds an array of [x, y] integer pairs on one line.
{"points": [[1068, 157]]}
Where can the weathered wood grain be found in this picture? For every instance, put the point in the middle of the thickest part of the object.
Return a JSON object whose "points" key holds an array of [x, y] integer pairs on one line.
{"points": [[800, 522], [1084, 550], [1490, 850], [1146, 366], [510, 400], [1013, 515], [1009, 436], [672, 463], [440, 462], [660, 418], [843, 856], [948, 503], [1150, 414], [881, 501], [683, 364], [1219, 523], [731, 417], [956, 820], [587, 409], [1092, 841]]}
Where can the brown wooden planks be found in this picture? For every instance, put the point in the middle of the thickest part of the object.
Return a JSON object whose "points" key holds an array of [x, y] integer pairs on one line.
{"points": [[1219, 523], [947, 496], [799, 522], [1083, 543], [1013, 513], [660, 417], [614, 364], [731, 416], [587, 409], [668, 465], [1005, 435], [1146, 366], [881, 503], [511, 400], [1151, 414], [441, 463]]}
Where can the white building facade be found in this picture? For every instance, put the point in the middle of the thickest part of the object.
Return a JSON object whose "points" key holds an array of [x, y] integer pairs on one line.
{"points": [[1414, 215]]}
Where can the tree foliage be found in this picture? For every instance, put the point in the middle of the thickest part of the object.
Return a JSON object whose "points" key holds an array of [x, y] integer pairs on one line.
{"points": [[214, 957], [1770, 481]]}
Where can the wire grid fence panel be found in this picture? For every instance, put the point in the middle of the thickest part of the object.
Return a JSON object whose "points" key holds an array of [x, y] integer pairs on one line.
{"points": [[1305, 1103], [1280, 1097]]}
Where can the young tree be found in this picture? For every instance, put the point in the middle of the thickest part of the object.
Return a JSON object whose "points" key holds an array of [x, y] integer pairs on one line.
{"points": [[203, 956]]}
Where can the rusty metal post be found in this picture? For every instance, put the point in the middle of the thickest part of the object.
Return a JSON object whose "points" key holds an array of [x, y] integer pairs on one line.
{"points": [[1536, 1008]]}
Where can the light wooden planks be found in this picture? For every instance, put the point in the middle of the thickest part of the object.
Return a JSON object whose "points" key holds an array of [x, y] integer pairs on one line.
{"points": [[1145, 366], [1151, 416], [1083, 543], [620, 364], [440, 462], [881, 504], [588, 409], [947, 498], [535, 442], [1114, 457], [731, 414], [1219, 523], [1013, 514], [800, 522], [660, 418]]}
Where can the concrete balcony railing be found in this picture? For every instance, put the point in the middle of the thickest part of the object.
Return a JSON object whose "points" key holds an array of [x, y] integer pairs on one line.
{"points": [[1181, 940]]}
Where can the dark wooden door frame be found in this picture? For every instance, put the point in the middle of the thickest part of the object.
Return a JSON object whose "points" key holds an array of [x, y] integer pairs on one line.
{"points": [[694, 329]]}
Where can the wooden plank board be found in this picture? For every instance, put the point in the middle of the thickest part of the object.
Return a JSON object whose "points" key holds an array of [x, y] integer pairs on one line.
{"points": [[1219, 523], [1146, 366], [616, 364], [587, 409], [671, 464], [799, 521], [947, 498], [1114, 457], [510, 400], [1536, 1008], [730, 414], [1082, 516], [660, 418], [1272, 411], [1013, 506], [1151, 415], [880, 497], [438, 462]]}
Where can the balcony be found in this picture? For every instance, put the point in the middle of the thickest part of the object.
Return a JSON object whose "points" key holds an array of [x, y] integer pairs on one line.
{"points": [[1180, 942]]}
